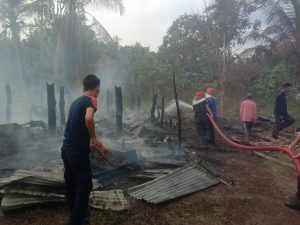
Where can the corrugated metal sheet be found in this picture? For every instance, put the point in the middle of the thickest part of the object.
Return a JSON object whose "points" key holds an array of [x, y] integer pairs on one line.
{"points": [[180, 182], [25, 188], [34, 177], [113, 200]]}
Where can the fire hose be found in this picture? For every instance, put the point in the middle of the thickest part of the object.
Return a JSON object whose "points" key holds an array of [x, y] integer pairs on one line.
{"points": [[282, 149], [122, 164]]}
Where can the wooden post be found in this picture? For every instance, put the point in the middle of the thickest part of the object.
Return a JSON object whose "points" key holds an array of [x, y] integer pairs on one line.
{"points": [[51, 107], [62, 106], [177, 106], [119, 109], [162, 112], [139, 104], [153, 108], [108, 101], [8, 102]]}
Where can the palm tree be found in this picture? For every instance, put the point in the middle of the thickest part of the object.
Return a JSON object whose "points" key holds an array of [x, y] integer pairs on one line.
{"points": [[229, 18], [282, 34], [13, 15], [69, 52]]}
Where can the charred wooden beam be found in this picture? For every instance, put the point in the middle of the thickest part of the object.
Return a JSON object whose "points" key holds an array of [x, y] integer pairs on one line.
{"points": [[51, 107], [62, 106], [8, 102], [153, 108], [119, 109]]}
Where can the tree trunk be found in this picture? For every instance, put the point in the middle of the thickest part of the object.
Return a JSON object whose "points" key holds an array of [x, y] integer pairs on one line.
{"points": [[8, 102], [296, 5], [223, 73], [119, 109], [162, 112], [51, 107], [62, 106], [177, 107], [15, 31], [153, 108]]}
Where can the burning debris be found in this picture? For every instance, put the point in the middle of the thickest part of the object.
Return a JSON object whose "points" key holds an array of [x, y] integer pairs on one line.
{"points": [[142, 150]]}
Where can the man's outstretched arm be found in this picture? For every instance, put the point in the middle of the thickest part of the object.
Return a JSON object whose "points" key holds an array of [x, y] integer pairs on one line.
{"points": [[95, 143]]}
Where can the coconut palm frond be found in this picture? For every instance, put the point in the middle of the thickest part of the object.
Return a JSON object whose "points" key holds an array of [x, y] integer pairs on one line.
{"points": [[281, 15], [34, 7], [254, 51], [276, 33], [100, 30], [116, 5], [249, 52]]}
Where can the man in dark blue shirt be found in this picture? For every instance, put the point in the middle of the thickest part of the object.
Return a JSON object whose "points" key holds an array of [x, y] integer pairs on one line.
{"points": [[80, 136], [282, 118]]}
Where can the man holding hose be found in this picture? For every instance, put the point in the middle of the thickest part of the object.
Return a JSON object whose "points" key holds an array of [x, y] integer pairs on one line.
{"points": [[79, 137]]}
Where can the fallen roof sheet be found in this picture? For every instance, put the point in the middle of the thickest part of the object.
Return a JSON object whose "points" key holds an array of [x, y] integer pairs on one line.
{"points": [[180, 182], [14, 201], [113, 200], [25, 188], [34, 177]]}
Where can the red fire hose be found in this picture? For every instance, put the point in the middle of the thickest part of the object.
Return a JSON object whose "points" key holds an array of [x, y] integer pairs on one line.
{"points": [[257, 148]]}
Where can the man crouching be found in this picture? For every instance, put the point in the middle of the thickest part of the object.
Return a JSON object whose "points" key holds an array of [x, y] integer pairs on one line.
{"points": [[79, 137]]}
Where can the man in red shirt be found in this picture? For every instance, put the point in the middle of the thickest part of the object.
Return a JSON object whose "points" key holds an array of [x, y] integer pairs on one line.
{"points": [[248, 114]]}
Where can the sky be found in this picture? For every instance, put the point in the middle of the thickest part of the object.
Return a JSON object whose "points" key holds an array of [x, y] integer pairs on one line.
{"points": [[145, 21]]}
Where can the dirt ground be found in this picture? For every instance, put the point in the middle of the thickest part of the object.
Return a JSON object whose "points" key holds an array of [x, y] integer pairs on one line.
{"points": [[256, 198]]}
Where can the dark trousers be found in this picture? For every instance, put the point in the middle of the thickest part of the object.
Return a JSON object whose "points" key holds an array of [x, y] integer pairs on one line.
{"points": [[247, 129], [211, 133], [78, 180], [202, 130], [281, 123]]}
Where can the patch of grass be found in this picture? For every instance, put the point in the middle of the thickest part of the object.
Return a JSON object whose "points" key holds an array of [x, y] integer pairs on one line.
{"points": [[280, 170]]}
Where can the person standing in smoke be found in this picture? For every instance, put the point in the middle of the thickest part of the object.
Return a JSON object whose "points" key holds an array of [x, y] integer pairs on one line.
{"points": [[79, 137], [201, 109], [248, 115], [212, 103]]}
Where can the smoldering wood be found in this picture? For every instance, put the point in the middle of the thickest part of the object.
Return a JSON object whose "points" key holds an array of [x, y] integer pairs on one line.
{"points": [[162, 111], [119, 109], [8, 102], [62, 106], [153, 108], [51, 107]]}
